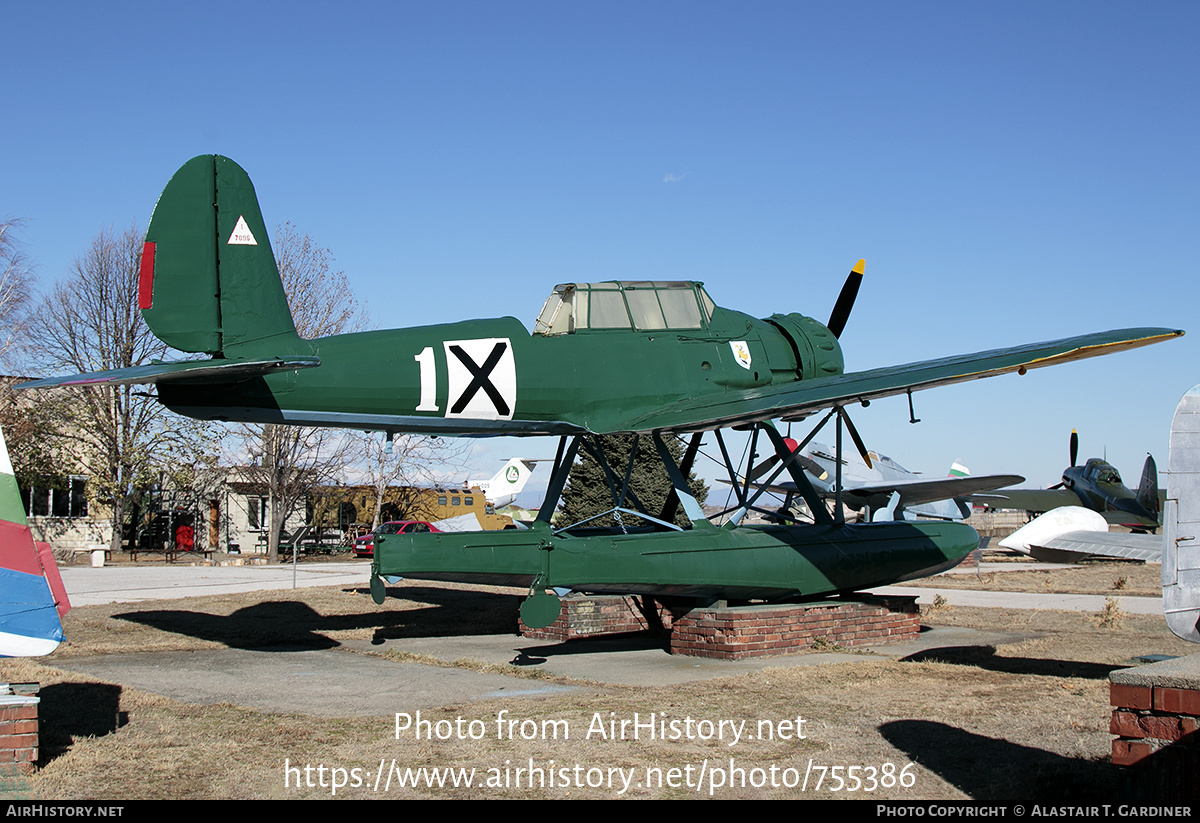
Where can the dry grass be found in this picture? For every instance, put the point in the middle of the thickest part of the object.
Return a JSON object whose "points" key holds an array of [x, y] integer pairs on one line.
{"points": [[1027, 720], [1091, 577]]}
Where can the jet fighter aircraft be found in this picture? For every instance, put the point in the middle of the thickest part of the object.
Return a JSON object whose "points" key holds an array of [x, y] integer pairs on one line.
{"points": [[648, 357], [503, 487]]}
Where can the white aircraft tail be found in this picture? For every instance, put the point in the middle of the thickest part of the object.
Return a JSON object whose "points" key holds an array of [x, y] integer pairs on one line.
{"points": [[503, 487], [1181, 549], [957, 469]]}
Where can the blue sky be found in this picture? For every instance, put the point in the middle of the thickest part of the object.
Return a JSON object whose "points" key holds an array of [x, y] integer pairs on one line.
{"points": [[1011, 172]]}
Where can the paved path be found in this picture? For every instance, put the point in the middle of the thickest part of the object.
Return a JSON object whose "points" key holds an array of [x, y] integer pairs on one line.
{"points": [[1025, 600], [130, 584], [350, 680], [87, 586]]}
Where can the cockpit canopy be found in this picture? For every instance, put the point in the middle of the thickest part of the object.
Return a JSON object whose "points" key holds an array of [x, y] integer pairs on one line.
{"points": [[1103, 472], [646, 305]]}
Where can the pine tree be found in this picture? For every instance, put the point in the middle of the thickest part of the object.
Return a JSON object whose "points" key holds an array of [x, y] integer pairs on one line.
{"points": [[587, 492]]}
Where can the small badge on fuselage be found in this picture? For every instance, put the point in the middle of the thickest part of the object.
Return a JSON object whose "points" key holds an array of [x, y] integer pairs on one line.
{"points": [[741, 353]]}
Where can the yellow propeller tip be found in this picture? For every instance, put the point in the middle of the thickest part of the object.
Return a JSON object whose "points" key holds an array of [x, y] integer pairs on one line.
{"points": [[860, 266]]}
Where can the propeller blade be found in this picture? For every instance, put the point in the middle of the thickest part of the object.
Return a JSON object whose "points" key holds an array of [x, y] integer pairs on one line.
{"points": [[771, 461], [845, 301], [1074, 446], [813, 467]]}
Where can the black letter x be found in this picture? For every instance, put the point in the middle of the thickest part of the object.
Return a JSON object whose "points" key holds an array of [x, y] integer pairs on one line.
{"points": [[479, 379]]}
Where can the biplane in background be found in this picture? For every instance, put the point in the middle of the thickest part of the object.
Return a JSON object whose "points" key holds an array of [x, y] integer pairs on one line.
{"points": [[656, 359], [876, 485]]}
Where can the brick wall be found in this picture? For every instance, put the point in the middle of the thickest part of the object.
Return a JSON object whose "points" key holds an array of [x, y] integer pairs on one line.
{"points": [[18, 732]]}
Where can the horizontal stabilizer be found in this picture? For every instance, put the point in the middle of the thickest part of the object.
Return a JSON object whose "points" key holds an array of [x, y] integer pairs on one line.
{"points": [[215, 370]]}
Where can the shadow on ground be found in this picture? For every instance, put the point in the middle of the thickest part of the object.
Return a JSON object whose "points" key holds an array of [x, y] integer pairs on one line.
{"points": [[991, 770], [298, 627], [985, 657], [69, 711]]}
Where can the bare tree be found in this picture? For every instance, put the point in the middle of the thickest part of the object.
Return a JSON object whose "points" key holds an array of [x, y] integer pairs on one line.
{"points": [[90, 322], [408, 465], [287, 461], [16, 286]]}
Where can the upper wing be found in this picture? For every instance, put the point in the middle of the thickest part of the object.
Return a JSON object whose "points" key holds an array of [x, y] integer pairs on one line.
{"points": [[800, 398], [916, 492]]}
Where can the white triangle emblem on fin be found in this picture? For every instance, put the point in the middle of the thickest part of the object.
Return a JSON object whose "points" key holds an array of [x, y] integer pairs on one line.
{"points": [[241, 235]]}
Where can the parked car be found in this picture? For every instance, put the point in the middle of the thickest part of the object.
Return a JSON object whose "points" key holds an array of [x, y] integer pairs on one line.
{"points": [[365, 545]]}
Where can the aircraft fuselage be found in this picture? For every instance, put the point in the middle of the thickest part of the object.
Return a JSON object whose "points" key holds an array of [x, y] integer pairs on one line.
{"points": [[481, 375], [1098, 485]]}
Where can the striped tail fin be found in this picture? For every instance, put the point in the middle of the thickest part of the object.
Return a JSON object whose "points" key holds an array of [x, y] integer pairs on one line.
{"points": [[32, 597]]}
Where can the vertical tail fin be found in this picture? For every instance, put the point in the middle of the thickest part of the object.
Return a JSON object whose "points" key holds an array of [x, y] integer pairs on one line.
{"points": [[209, 281], [504, 486], [29, 616], [1147, 493]]}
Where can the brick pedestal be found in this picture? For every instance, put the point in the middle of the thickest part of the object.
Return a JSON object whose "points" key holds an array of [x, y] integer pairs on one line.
{"points": [[18, 732], [596, 615], [763, 631], [736, 632], [1156, 720]]}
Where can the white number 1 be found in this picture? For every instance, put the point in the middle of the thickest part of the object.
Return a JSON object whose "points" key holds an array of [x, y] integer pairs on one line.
{"points": [[428, 379]]}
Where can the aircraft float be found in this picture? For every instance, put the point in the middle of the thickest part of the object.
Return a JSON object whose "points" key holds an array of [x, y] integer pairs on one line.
{"points": [[653, 358]]}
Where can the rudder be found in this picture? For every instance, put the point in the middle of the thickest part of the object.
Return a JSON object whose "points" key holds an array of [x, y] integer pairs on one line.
{"points": [[209, 282], [1147, 493]]}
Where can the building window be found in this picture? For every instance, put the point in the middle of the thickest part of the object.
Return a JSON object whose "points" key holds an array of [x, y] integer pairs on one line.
{"points": [[68, 502], [256, 512]]}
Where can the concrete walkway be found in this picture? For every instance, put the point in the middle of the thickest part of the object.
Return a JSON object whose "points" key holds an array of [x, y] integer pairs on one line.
{"points": [[1025, 600], [352, 680], [87, 586], [131, 584]]}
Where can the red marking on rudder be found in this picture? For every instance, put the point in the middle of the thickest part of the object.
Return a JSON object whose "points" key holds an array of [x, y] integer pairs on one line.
{"points": [[146, 277]]}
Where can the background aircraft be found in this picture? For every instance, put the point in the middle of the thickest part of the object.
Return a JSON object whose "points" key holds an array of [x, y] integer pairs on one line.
{"points": [[32, 597], [882, 488], [1096, 485], [1069, 534], [503, 487]]}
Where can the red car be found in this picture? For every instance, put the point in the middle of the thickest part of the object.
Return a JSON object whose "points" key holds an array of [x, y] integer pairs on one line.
{"points": [[365, 545]]}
